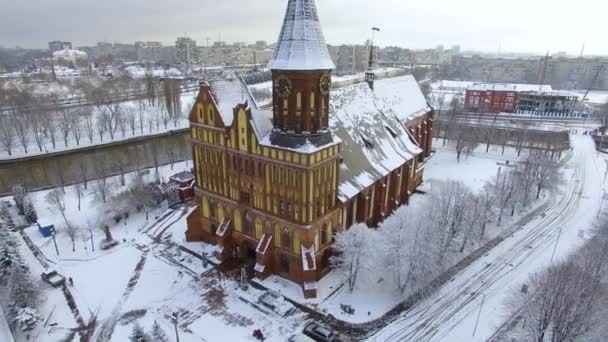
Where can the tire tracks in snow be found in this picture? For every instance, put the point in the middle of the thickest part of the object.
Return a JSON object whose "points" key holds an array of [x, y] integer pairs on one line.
{"points": [[107, 328], [447, 307]]}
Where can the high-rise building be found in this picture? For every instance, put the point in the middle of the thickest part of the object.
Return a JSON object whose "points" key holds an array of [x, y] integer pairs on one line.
{"points": [[186, 51], [58, 45], [275, 185]]}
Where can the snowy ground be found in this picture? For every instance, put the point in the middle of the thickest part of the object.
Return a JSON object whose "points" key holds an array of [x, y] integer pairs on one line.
{"points": [[146, 278], [450, 314], [150, 275], [474, 171]]}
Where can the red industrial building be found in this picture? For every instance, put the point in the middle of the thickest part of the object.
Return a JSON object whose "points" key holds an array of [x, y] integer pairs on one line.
{"points": [[498, 97]]}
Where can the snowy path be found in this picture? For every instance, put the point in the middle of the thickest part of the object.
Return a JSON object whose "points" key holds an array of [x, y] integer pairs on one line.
{"points": [[450, 314]]}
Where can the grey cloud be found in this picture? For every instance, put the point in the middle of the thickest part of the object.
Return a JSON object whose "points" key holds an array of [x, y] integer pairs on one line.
{"points": [[521, 25]]}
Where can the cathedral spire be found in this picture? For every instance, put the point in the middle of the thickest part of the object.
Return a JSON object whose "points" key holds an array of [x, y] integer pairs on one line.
{"points": [[301, 45]]}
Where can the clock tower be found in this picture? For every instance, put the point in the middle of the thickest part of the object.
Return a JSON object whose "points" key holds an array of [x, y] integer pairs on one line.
{"points": [[301, 73]]}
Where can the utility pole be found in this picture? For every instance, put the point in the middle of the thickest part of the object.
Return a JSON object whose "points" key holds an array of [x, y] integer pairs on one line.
{"points": [[556, 242], [55, 242]]}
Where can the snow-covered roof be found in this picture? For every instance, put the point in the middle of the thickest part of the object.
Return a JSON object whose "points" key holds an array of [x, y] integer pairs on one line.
{"points": [[555, 93], [228, 93], [184, 176], [511, 87], [403, 96], [301, 45], [370, 125], [69, 54]]}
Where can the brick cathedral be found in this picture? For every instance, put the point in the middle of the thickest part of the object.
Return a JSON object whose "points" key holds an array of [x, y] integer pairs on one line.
{"points": [[275, 185]]}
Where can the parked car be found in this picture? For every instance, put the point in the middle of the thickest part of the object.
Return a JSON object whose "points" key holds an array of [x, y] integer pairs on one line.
{"points": [[53, 278], [300, 338], [276, 303], [323, 334]]}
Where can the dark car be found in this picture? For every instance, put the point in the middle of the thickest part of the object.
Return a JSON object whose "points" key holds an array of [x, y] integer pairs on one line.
{"points": [[322, 334]]}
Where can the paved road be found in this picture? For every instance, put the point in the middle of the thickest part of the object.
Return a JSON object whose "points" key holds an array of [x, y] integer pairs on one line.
{"points": [[451, 313]]}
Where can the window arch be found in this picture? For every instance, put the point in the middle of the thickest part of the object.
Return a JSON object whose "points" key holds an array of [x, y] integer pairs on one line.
{"points": [[286, 239], [248, 224], [238, 220], [259, 228], [212, 209], [210, 118]]}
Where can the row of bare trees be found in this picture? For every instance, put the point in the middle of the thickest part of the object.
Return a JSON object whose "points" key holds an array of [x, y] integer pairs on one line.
{"points": [[26, 119], [566, 301], [435, 231]]}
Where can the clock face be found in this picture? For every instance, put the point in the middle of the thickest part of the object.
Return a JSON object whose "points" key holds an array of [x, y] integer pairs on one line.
{"points": [[283, 86], [325, 84]]}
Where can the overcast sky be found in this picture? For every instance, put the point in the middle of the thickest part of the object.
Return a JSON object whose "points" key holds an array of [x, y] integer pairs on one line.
{"points": [[516, 25]]}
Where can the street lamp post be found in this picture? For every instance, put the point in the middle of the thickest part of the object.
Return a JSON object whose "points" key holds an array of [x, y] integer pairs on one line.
{"points": [[483, 299], [174, 319], [92, 243]]}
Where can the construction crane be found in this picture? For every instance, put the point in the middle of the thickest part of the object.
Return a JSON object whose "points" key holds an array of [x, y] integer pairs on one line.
{"points": [[597, 74]]}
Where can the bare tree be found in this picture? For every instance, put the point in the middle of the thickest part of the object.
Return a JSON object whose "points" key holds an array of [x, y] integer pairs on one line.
{"points": [[64, 124], [89, 123], [501, 137], [352, 248], [411, 254], [100, 125], [465, 140], [546, 171], [56, 198], [172, 102], [76, 125], [450, 201], [38, 124], [171, 156], [102, 186], [120, 167], [83, 167], [143, 195], [131, 118], [151, 88], [122, 125], [108, 107], [7, 133], [79, 190], [504, 188]]}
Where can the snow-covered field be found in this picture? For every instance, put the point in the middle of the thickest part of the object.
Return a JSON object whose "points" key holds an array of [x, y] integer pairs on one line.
{"points": [[474, 171]]}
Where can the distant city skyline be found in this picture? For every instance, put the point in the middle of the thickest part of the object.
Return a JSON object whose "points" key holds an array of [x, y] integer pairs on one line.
{"points": [[522, 26]]}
